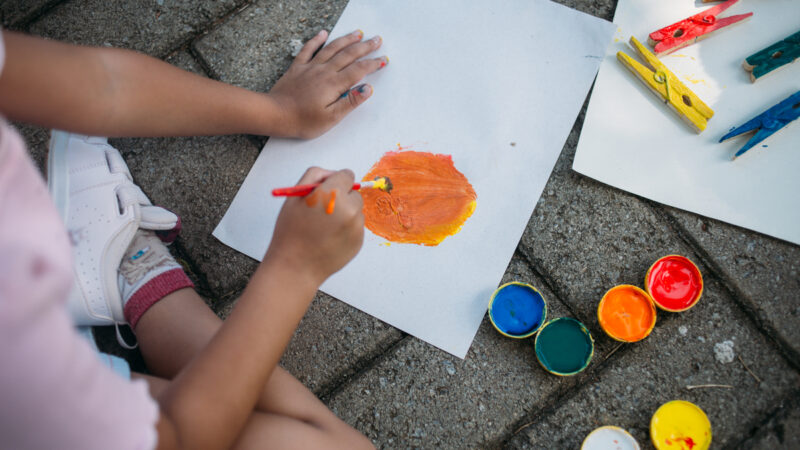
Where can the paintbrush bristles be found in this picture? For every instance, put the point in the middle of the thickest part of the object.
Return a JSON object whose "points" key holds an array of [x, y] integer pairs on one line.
{"points": [[382, 183]]}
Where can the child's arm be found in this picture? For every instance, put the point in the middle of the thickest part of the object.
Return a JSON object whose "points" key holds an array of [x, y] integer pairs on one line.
{"points": [[209, 401], [115, 92]]}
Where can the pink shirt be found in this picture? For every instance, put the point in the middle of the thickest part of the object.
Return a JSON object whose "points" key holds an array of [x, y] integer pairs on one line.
{"points": [[54, 391]]}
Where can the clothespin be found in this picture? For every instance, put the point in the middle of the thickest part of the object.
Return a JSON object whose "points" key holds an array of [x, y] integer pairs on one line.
{"points": [[767, 123], [692, 29], [776, 55], [667, 86]]}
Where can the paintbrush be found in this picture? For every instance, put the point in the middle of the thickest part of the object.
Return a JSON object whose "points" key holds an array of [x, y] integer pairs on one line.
{"points": [[301, 190]]}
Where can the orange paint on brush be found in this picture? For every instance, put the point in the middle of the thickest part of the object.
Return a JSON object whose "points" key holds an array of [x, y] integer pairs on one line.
{"points": [[312, 198], [331, 203], [430, 199], [627, 313]]}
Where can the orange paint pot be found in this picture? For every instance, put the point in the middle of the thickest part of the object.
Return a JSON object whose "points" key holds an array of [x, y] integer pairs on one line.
{"points": [[674, 282], [627, 313]]}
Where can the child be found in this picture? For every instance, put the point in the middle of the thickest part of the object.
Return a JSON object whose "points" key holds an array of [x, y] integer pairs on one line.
{"points": [[213, 385]]}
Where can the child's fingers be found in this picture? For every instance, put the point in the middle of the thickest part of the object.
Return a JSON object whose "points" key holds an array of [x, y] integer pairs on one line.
{"points": [[337, 44], [359, 69], [353, 52], [349, 102], [311, 46], [314, 175], [342, 181]]}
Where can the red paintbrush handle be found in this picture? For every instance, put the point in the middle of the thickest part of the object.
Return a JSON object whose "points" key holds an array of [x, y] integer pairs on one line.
{"points": [[301, 190]]}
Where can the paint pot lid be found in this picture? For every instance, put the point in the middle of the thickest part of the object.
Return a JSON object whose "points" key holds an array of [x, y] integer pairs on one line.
{"points": [[610, 438], [678, 425], [564, 346], [517, 310], [674, 282], [625, 326]]}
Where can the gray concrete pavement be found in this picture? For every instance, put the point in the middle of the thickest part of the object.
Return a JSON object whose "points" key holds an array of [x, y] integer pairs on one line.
{"points": [[582, 239]]}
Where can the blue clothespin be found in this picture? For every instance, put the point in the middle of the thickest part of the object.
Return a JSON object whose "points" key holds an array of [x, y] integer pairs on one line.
{"points": [[768, 122]]}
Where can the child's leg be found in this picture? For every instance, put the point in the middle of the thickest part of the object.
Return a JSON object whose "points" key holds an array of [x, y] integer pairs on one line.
{"points": [[178, 326], [266, 430]]}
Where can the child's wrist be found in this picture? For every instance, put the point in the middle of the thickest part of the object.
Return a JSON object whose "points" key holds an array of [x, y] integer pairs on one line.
{"points": [[295, 271], [278, 120]]}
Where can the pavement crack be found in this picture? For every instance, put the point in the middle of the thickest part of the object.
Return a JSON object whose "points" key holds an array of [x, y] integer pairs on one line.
{"points": [[27, 20], [770, 422], [543, 275], [359, 368]]}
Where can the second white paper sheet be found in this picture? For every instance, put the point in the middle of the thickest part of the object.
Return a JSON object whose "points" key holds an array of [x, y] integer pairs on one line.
{"points": [[632, 141], [497, 85]]}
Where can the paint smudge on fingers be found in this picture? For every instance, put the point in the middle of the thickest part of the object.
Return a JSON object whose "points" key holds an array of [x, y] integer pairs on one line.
{"points": [[312, 198], [430, 199], [331, 203]]}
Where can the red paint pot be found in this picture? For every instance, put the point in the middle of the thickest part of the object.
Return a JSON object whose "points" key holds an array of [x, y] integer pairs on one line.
{"points": [[674, 282]]}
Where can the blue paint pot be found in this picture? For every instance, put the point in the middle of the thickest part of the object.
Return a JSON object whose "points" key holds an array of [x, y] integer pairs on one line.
{"points": [[517, 310]]}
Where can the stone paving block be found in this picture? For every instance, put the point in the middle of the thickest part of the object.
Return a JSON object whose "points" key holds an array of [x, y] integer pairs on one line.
{"points": [[587, 238], [13, 12], [153, 27], [780, 432], [333, 341], [765, 269], [252, 49], [420, 396], [681, 352]]}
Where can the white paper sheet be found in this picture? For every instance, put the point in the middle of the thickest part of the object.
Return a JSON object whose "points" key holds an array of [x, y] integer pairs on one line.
{"points": [[468, 81], [633, 142]]}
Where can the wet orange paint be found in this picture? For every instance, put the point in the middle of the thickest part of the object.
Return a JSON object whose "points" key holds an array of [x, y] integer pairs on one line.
{"points": [[331, 203], [312, 198], [429, 201], [627, 313]]}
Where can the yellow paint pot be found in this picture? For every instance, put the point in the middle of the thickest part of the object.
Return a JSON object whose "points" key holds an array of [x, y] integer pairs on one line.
{"points": [[610, 437], [626, 313], [680, 425]]}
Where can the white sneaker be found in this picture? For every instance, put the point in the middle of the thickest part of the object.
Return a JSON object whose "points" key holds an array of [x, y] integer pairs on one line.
{"points": [[102, 209]]}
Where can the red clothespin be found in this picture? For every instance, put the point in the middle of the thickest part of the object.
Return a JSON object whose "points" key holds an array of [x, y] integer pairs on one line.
{"points": [[692, 29]]}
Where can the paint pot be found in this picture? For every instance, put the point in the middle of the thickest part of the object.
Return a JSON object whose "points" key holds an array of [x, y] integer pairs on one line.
{"points": [[564, 346], [610, 438], [517, 310], [627, 313], [674, 282], [680, 425]]}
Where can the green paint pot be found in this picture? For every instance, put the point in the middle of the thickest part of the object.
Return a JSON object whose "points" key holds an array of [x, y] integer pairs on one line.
{"points": [[564, 346]]}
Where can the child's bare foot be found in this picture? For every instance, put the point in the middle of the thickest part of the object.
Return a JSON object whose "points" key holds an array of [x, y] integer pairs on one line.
{"points": [[317, 91]]}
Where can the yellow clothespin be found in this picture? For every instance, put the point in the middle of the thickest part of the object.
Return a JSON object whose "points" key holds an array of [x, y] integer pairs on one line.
{"points": [[666, 85]]}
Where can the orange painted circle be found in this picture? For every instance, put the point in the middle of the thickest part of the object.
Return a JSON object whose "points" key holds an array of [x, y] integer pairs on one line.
{"points": [[627, 313], [430, 199]]}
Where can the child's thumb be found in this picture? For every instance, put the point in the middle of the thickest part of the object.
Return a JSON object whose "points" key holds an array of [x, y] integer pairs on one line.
{"points": [[352, 99]]}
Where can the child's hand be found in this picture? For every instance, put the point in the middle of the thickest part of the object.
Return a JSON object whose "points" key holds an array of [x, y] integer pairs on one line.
{"points": [[318, 234], [309, 95]]}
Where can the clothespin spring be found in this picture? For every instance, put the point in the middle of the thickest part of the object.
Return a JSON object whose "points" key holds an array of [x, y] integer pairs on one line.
{"points": [[661, 77]]}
